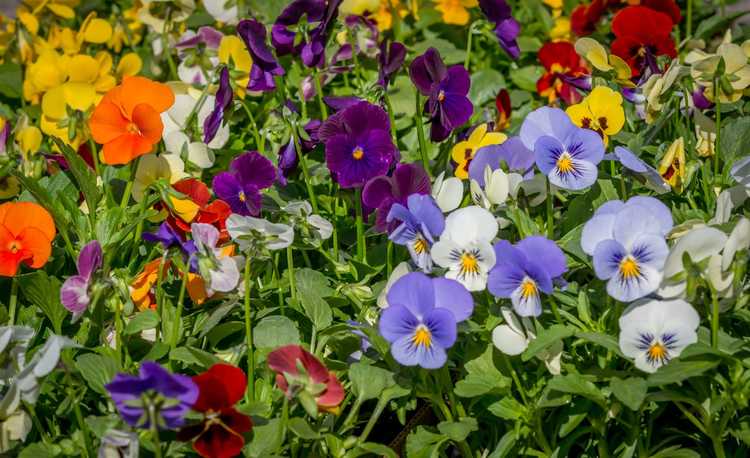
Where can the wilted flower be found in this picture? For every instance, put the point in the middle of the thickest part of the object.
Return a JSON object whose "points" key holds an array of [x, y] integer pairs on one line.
{"points": [[74, 293], [734, 80], [599, 58], [422, 222], [653, 332], [391, 59], [382, 192], [119, 444], [240, 187], [672, 166], [657, 87], [223, 101]]}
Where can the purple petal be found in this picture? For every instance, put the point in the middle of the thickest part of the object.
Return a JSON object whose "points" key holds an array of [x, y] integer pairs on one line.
{"points": [[656, 208], [426, 211], [607, 257], [504, 279], [226, 186], [458, 80], [455, 111], [397, 321], [74, 294], [414, 291], [545, 252], [507, 31], [377, 191], [452, 296], [585, 145], [254, 169], [89, 259], [391, 59], [223, 99], [495, 10], [512, 151], [409, 179], [545, 121], [427, 70], [442, 325]]}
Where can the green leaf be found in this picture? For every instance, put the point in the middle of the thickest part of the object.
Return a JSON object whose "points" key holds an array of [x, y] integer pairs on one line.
{"points": [[216, 316], [274, 331], [576, 412], [38, 450], [11, 80], [547, 338], [735, 136], [576, 384], [505, 445], [44, 292], [678, 371], [604, 340], [372, 448], [84, 176], [301, 428], [507, 408], [631, 391], [368, 382], [312, 287], [483, 377], [193, 356], [422, 443], [676, 451], [485, 85], [266, 439], [148, 319], [97, 370], [448, 51], [458, 430], [526, 77], [715, 24]]}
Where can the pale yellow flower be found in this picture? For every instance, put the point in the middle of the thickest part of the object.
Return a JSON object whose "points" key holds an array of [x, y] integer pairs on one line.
{"points": [[736, 77]]}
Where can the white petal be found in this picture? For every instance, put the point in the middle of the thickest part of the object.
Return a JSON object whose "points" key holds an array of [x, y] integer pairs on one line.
{"points": [[470, 225], [398, 272], [175, 141], [441, 252], [509, 341], [221, 137], [716, 276], [200, 155], [478, 196], [512, 320], [449, 194], [498, 188], [699, 243], [738, 240]]}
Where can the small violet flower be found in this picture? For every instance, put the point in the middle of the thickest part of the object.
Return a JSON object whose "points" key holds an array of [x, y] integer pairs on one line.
{"points": [[421, 320], [525, 270], [384, 191], [506, 27], [222, 101], [265, 66], [422, 222], [391, 59], [240, 187], [74, 293]]}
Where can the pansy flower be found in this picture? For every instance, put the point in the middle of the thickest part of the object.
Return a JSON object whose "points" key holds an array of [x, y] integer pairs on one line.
{"points": [[300, 374], [638, 167], [197, 52], [240, 187], [220, 434], [390, 60], [141, 287], [422, 222], [382, 192], [601, 111], [465, 247], [127, 120], [421, 320], [284, 35], [672, 165], [642, 34], [513, 153], [525, 270], [653, 332], [233, 53], [216, 266], [265, 66], [358, 144], [447, 192], [222, 102], [26, 233], [447, 89], [74, 293], [584, 18], [195, 205], [455, 11], [564, 73], [463, 152], [504, 109], [506, 27], [597, 55]]}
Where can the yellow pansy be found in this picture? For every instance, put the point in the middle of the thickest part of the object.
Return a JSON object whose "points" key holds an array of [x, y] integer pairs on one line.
{"points": [[61, 8], [601, 111], [233, 53], [383, 16], [463, 152], [127, 30], [736, 77], [454, 11], [359, 7], [29, 140], [672, 166], [599, 58], [129, 65], [561, 30]]}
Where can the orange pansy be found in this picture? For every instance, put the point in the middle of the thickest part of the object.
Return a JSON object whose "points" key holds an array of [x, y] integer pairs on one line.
{"points": [[127, 121], [143, 283], [26, 233]]}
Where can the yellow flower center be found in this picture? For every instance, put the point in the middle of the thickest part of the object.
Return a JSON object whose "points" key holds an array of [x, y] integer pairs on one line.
{"points": [[469, 263], [565, 163], [422, 337], [14, 246], [242, 196], [132, 128], [528, 288], [358, 153], [629, 268], [441, 96], [420, 246], [657, 351]]}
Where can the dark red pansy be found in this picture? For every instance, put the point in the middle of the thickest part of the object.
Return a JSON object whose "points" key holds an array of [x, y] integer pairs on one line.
{"points": [[565, 73], [642, 34], [502, 103]]}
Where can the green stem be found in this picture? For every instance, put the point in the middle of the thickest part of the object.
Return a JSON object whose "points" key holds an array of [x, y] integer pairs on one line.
{"points": [[250, 395], [79, 418], [420, 134], [355, 60], [391, 116], [382, 402], [159, 294], [714, 318], [467, 62], [351, 416], [550, 211], [718, 446], [118, 333], [555, 311], [128, 186], [139, 227], [154, 428], [305, 171], [689, 20], [13, 301], [256, 133], [335, 237], [717, 144], [515, 378], [178, 313], [290, 273], [361, 254], [319, 94], [389, 259]]}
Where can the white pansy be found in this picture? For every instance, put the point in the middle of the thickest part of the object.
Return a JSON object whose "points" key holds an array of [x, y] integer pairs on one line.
{"points": [[119, 444], [498, 187], [252, 233], [447, 192], [514, 336], [14, 429], [653, 332], [218, 10], [701, 243], [465, 247]]}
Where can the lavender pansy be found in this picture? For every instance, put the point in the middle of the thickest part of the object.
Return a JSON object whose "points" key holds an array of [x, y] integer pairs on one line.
{"points": [[525, 270], [221, 104], [74, 293], [506, 27], [446, 90], [265, 66], [422, 222], [217, 268], [512, 152], [421, 320], [640, 169], [384, 191], [134, 394], [240, 187], [358, 144]]}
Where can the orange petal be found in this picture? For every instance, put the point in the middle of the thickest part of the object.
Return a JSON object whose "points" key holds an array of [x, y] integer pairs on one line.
{"points": [[35, 241], [196, 289], [8, 261], [137, 90], [107, 122], [149, 122], [17, 216], [124, 149]]}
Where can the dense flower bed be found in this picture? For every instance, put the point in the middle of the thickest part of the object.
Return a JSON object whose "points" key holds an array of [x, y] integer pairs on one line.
{"points": [[348, 228]]}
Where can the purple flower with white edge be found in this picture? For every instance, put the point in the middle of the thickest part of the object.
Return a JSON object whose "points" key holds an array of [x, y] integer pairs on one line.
{"points": [[218, 270], [446, 90], [74, 293], [221, 104], [422, 222], [265, 66], [391, 60], [627, 243], [358, 144], [640, 169], [240, 187], [198, 54], [421, 320], [134, 395], [383, 191], [512, 152], [506, 27], [525, 270]]}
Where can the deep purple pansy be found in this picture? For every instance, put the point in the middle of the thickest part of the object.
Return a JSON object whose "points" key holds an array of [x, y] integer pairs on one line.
{"points": [[240, 187], [265, 66], [446, 90], [506, 28], [383, 191], [168, 238], [283, 33], [74, 293], [222, 101], [391, 60]]}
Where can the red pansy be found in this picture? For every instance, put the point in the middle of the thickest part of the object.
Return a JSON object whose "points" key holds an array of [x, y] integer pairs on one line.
{"points": [[564, 72], [584, 18], [642, 34], [502, 102], [220, 433], [214, 213], [668, 7]]}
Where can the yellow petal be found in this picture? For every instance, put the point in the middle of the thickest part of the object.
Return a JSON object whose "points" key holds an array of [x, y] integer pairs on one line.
{"points": [[605, 103], [232, 49], [186, 209], [61, 10], [594, 52], [97, 31], [53, 103], [129, 65], [80, 96], [29, 139], [82, 69], [29, 21], [622, 69], [578, 112], [492, 138]]}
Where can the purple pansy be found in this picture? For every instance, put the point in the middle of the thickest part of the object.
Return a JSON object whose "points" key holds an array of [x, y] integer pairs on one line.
{"points": [[391, 59], [567, 154], [206, 35], [221, 103], [133, 394], [506, 27], [168, 237], [265, 66], [283, 36], [446, 90], [512, 152], [525, 270], [700, 100], [288, 158], [422, 222], [640, 169], [313, 52], [74, 293], [383, 191], [421, 320], [358, 144], [240, 187]]}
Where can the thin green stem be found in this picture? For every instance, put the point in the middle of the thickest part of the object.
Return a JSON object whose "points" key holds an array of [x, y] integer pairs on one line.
{"points": [[180, 305], [139, 226], [714, 318], [79, 418], [361, 253], [389, 259], [118, 333], [154, 428], [555, 311], [550, 211], [250, 395], [379, 408], [13, 301], [467, 62], [259, 143], [159, 294], [391, 116], [305, 171], [420, 134], [128, 186], [319, 94], [717, 144], [515, 378], [351, 416], [290, 273], [689, 20]]}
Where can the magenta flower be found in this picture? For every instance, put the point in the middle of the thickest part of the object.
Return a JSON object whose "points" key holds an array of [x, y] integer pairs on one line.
{"points": [[358, 144], [383, 191], [265, 66], [74, 293], [446, 90], [240, 187]]}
